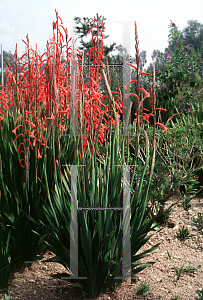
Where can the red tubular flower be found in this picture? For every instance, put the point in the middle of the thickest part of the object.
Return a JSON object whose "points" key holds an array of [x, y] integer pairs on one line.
{"points": [[46, 81], [132, 66], [17, 137], [145, 92], [132, 95], [127, 84], [160, 109], [144, 73], [164, 127], [38, 154], [91, 29]]}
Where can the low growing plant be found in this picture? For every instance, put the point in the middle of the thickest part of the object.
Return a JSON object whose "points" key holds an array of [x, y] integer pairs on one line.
{"points": [[175, 165], [176, 297], [143, 288], [6, 297], [178, 271], [200, 295], [198, 222], [189, 269], [186, 203], [183, 234]]}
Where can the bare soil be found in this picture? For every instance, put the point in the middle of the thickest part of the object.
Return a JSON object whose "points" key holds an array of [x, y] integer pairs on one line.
{"points": [[33, 281]]}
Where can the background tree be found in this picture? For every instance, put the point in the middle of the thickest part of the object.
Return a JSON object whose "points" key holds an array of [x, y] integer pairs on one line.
{"points": [[82, 29], [158, 62], [191, 35], [7, 56]]}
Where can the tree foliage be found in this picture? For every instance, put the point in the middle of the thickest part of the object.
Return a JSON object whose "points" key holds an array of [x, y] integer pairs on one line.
{"points": [[6, 62], [82, 28]]}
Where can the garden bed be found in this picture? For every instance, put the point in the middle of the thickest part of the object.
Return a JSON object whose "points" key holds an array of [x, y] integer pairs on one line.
{"points": [[33, 281]]}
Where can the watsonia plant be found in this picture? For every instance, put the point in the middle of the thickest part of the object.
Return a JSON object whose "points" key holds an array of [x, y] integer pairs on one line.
{"points": [[100, 232], [36, 104], [47, 89], [100, 225]]}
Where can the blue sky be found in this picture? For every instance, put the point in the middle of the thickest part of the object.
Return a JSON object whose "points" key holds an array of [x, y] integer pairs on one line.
{"points": [[35, 17]]}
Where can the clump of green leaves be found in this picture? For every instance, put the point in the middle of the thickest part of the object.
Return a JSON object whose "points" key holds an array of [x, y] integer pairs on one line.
{"points": [[176, 297], [200, 295], [178, 271], [143, 288], [183, 234], [163, 215], [179, 153], [189, 269], [198, 222], [186, 203], [6, 297]]}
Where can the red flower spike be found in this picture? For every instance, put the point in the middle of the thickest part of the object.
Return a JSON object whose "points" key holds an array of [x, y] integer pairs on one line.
{"points": [[40, 91], [79, 52], [171, 117], [21, 163], [138, 61], [50, 118], [60, 19], [42, 138]]}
